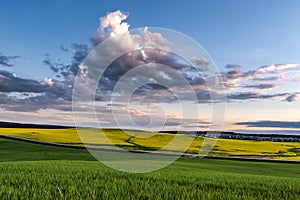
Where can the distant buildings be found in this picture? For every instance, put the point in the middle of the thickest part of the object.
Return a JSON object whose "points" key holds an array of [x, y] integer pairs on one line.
{"points": [[256, 137]]}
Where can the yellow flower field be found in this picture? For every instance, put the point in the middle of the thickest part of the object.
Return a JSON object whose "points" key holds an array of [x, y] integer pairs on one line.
{"points": [[140, 140]]}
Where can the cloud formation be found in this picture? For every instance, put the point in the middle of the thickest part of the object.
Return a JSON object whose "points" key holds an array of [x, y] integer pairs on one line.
{"points": [[5, 60], [263, 73], [67, 71], [9, 82], [110, 25], [261, 86], [233, 66], [271, 124], [253, 96], [292, 98], [63, 48], [245, 85], [56, 92]]}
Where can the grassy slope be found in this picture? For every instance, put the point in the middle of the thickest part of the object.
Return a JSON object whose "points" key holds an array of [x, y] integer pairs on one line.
{"points": [[13, 150], [55, 172], [223, 147]]}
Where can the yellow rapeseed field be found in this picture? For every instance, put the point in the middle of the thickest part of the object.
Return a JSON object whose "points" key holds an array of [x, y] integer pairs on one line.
{"points": [[151, 141]]}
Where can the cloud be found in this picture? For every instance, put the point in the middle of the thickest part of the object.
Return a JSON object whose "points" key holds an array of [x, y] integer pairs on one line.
{"points": [[202, 63], [261, 86], [153, 40], [276, 67], [233, 66], [48, 81], [253, 95], [240, 84], [48, 62], [292, 98], [56, 92], [63, 48], [263, 73], [29, 95], [5, 60], [271, 124], [80, 52], [10, 83], [110, 25], [113, 24]]}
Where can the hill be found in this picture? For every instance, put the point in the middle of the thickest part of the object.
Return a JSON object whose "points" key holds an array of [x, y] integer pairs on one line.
{"points": [[33, 171]]}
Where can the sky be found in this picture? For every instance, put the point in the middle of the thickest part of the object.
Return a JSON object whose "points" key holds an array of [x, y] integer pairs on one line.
{"points": [[254, 44]]}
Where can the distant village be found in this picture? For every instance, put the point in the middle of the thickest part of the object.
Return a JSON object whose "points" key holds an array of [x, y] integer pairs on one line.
{"points": [[247, 136], [241, 136]]}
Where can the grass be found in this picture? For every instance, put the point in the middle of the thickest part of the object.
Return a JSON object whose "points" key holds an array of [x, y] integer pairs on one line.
{"points": [[140, 141], [13, 150], [34, 171]]}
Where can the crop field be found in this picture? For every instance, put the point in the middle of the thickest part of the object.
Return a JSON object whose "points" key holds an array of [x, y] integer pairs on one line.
{"points": [[34, 171], [139, 140]]}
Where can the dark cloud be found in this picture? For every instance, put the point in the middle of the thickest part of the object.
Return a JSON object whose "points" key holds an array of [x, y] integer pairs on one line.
{"points": [[195, 127], [261, 86], [152, 60], [236, 80], [292, 98], [63, 48], [253, 95], [57, 93], [271, 78], [271, 124], [32, 95], [263, 73], [10, 83], [36, 103], [50, 93], [201, 63], [233, 66], [53, 66], [233, 74], [172, 123], [157, 93], [204, 96], [5, 60], [80, 52]]}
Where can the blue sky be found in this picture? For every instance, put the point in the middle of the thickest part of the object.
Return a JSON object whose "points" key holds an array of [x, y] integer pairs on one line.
{"points": [[250, 33], [247, 33]]}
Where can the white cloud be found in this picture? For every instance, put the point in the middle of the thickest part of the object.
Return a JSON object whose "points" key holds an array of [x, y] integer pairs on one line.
{"points": [[277, 67], [112, 24], [48, 81]]}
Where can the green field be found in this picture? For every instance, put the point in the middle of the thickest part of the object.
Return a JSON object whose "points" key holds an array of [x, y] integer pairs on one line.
{"points": [[34, 171], [137, 140]]}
